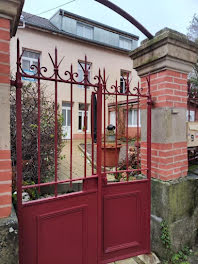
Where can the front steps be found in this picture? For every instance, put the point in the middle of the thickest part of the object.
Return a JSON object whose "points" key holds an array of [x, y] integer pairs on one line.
{"points": [[141, 259]]}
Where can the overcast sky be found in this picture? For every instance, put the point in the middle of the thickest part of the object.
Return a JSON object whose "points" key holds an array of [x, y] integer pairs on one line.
{"points": [[152, 14]]}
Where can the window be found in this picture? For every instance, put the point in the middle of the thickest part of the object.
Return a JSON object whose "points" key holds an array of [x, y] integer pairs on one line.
{"points": [[113, 118], [132, 118], [66, 113], [81, 66], [81, 117], [125, 43], [192, 116], [29, 58], [84, 31], [123, 75], [66, 125]]}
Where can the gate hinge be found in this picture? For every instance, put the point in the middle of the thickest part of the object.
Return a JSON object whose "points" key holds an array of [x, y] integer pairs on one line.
{"points": [[16, 84]]}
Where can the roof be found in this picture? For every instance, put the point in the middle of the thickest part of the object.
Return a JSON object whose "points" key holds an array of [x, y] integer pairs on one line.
{"points": [[93, 22], [45, 24], [37, 21]]}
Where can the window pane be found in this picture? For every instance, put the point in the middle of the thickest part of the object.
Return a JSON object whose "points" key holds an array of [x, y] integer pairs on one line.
{"points": [[64, 117], [125, 43], [112, 118], [88, 32], [25, 65], [33, 62], [84, 31], [68, 117], [80, 73], [122, 85], [121, 43], [31, 54], [79, 29], [134, 117], [130, 118], [80, 120]]}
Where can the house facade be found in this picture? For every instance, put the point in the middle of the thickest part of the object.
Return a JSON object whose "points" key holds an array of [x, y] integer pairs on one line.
{"points": [[76, 36]]}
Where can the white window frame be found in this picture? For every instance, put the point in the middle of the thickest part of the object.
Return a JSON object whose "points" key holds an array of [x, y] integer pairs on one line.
{"points": [[83, 118], [133, 120], [123, 74], [122, 84], [81, 73], [32, 61], [67, 127], [82, 30]]}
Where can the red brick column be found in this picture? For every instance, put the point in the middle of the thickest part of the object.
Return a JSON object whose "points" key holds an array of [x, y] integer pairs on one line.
{"points": [[168, 58], [5, 159], [169, 159]]}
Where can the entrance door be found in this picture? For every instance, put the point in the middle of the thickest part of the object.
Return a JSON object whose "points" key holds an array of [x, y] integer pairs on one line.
{"points": [[66, 127]]}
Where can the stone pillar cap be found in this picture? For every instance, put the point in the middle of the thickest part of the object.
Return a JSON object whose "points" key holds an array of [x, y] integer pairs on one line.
{"points": [[169, 49], [11, 9]]}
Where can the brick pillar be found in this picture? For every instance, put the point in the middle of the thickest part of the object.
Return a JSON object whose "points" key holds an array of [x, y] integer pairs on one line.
{"points": [[168, 59], [5, 159], [169, 147]]}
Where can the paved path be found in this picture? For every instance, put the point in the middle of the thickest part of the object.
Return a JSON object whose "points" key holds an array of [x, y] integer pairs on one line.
{"points": [[77, 162]]}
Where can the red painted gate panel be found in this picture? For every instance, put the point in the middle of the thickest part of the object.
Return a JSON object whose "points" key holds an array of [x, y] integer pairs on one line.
{"points": [[106, 217], [125, 216], [61, 229]]}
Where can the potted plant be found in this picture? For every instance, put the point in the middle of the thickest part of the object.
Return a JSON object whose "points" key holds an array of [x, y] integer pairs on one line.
{"points": [[110, 150]]}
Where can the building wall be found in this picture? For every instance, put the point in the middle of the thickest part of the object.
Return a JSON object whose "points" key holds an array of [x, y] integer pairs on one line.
{"points": [[122, 131], [73, 50]]}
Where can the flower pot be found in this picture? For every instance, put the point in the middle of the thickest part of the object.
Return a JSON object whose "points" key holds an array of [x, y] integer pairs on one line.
{"points": [[110, 138], [110, 154]]}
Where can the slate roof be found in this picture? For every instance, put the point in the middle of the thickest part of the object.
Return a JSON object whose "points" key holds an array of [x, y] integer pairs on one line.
{"points": [[40, 22]]}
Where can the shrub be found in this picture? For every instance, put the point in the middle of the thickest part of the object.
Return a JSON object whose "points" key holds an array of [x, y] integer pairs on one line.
{"points": [[132, 164], [29, 101]]}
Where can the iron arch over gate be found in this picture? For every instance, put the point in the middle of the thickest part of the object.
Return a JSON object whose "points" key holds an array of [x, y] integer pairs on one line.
{"points": [[127, 16], [109, 217]]}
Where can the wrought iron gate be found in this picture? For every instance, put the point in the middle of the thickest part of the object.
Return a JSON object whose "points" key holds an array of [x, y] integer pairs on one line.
{"points": [[109, 217]]}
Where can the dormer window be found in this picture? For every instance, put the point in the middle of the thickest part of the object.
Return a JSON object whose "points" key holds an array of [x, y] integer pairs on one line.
{"points": [[85, 31], [125, 43]]}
